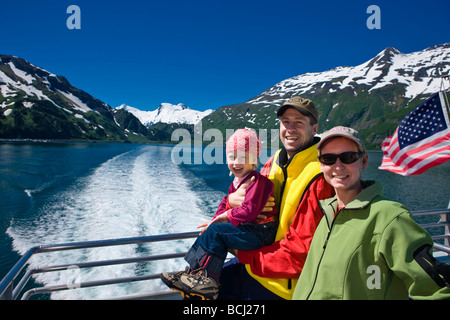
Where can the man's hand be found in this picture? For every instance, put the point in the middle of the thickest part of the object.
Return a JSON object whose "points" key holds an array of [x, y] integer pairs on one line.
{"points": [[268, 208], [269, 205], [236, 199]]}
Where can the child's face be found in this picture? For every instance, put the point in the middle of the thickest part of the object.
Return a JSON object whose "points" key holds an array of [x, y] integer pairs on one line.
{"points": [[239, 163]]}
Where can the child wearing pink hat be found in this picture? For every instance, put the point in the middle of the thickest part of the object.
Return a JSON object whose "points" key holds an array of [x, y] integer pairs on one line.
{"points": [[230, 228]]}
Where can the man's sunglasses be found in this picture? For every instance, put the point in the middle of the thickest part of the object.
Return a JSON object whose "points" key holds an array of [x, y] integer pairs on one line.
{"points": [[346, 157]]}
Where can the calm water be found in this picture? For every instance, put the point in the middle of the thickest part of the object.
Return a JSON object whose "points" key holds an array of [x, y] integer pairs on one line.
{"points": [[55, 193]]}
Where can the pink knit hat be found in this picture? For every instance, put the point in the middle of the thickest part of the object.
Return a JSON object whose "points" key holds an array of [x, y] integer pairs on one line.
{"points": [[244, 140]]}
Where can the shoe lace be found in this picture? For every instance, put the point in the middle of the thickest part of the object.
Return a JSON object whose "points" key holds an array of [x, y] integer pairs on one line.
{"points": [[200, 275]]}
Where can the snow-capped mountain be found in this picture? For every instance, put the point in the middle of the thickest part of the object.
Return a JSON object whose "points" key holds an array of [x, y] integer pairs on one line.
{"points": [[36, 104], [372, 97], [167, 113], [418, 72], [19, 78]]}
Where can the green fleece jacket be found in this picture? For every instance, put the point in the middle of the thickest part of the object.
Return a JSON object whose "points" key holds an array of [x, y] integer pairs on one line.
{"points": [[372, 249]]}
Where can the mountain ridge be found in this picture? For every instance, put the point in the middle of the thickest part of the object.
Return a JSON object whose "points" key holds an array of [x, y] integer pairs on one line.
{"points": [[372, 97], [37, 104]]}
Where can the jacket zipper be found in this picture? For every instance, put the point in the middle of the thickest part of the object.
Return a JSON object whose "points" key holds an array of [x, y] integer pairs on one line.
{"points": [[323, 248]]}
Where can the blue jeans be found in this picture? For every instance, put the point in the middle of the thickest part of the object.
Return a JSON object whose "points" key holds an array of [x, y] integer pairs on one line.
{"points": [[211, 248], [237, 284]]}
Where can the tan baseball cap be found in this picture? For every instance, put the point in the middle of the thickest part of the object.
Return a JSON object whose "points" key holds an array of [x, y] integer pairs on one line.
{"points": [[346, 132], [301, 105]]}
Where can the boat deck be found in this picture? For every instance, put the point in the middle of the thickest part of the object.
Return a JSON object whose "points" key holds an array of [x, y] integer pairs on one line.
{"points": [[18, 278]]}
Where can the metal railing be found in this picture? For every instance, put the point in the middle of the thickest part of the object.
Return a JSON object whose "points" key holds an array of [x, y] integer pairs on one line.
{"points": [[443, 223], [9, 291]]}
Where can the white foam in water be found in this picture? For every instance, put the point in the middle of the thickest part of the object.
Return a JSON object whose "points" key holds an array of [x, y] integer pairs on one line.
{"points": [[138, 193]]}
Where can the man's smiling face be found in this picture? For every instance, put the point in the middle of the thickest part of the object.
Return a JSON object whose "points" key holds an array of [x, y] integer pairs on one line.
{"points": [[296, 130]]}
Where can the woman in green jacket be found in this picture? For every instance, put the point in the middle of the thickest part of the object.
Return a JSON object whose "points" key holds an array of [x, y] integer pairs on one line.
{"points": [[366, 247]]}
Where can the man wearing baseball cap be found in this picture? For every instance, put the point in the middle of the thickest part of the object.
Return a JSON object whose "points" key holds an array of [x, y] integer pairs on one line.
{"points": [[304, 106], [272, 271]]}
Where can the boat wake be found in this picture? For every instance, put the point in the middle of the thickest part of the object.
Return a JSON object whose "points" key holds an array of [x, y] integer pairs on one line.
{"points": [[138, 193]]}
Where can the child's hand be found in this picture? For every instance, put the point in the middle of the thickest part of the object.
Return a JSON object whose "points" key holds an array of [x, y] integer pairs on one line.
{"points": [[203, 225], [221, 218]]}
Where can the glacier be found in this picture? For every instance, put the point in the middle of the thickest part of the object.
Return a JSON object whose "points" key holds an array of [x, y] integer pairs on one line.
{"points": [[167, 113]]}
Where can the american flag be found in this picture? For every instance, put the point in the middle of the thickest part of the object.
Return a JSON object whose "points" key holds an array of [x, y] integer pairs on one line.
{"points": [[421, 141]]}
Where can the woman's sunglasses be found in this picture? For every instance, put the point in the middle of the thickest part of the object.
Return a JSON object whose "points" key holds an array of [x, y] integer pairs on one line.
{"points": [[345, 157]]}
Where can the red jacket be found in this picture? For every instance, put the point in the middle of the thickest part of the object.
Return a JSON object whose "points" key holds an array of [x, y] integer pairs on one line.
{"points": [[285, 258]]}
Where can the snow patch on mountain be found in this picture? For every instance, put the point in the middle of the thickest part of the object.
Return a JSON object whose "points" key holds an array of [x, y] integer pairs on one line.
{"points": [[76, 103]]}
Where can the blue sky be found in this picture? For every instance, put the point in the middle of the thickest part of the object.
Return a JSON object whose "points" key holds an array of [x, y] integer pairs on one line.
{"points": [[208, 53]]}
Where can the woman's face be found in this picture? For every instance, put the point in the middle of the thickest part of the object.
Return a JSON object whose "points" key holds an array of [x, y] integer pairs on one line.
{"points": [[341, 176]]}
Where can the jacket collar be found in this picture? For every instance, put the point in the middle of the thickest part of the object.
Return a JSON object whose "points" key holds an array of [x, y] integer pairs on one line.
{"points": [[238, 181], [371, 190], [283, 160]]}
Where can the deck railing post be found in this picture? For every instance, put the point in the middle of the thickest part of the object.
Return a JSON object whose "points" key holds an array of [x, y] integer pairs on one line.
{"points": [[447, 227], [7, 294]]}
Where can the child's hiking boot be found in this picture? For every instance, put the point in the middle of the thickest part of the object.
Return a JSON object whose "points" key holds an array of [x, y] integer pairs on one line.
{"points": [[199, 284], [172, 280]]}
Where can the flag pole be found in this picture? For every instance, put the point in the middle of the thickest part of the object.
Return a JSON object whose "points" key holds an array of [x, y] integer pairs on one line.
{"points": [[444, 92]]}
